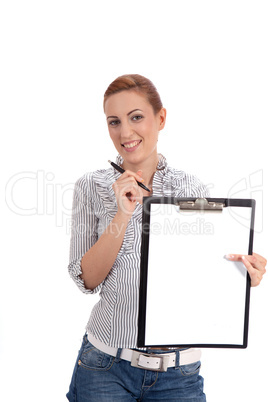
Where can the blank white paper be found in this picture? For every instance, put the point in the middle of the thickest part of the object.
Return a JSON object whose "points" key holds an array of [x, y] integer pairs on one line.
{"points": [[194, 294]]}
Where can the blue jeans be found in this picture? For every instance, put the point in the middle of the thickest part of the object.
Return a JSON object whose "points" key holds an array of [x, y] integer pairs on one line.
{"points": [[100, 377]]}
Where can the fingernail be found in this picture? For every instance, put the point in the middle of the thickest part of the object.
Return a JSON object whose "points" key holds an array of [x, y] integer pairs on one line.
{"points": [[229, 256], [140, 171]]}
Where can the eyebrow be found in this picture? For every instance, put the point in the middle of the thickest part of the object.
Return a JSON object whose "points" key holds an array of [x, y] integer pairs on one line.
{"points": [[116, 117]]}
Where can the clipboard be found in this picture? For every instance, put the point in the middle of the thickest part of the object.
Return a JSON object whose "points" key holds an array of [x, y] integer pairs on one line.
{"points": [[190, 294]]}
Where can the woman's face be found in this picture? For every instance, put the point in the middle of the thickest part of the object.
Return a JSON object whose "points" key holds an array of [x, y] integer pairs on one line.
{"points": [[133, 126]]}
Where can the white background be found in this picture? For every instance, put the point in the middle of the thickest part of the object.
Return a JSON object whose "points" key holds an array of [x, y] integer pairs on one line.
{"points": [[209, 61]]}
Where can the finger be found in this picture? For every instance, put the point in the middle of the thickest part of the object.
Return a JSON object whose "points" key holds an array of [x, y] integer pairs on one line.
{"points": [[255, 260], [127, 187], [255, 274], [139, 173], [237, 257], [124, 183], [129, 191], [260, 258], [234, 257], [137, 176], [130, 197]]}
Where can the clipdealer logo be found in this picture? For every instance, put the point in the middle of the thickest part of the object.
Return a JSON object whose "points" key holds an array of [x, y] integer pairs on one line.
{"points": [[36, 193], [249, 187], [31, 193], [199, 226]]}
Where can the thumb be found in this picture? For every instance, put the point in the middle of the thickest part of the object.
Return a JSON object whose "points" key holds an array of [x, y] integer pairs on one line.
{"points": [[139, 173]]}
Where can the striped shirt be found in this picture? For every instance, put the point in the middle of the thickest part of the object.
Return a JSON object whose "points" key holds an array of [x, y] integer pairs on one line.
{"points": [[114, 318]]}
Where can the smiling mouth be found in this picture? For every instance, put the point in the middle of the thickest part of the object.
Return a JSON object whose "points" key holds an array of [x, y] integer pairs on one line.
{"points": [[132, 144]]}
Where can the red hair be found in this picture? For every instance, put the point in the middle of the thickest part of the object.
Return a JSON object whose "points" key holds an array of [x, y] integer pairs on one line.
{"points": [[137, 83]]}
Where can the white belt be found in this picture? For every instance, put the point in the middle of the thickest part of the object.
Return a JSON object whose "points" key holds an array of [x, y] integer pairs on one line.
{"points": [[140, 359]]}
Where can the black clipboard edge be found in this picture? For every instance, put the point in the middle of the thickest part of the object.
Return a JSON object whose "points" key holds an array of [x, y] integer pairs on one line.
{"points": [[250, 252], [228, 202], [143, 272]]}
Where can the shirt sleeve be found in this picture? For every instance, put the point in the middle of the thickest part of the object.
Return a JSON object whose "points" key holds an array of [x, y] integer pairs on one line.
{"points": [[84, 229], [188, 185], [198, 189]]}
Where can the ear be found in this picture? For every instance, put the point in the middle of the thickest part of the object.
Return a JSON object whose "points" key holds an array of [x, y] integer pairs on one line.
{"points": [[162, 118]]}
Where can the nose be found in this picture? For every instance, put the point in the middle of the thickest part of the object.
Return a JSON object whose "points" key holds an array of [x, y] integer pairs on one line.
{"points": [[126, 130]]}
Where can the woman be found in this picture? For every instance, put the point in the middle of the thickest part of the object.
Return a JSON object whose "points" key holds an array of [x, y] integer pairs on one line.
{"points": [[105, 253]]}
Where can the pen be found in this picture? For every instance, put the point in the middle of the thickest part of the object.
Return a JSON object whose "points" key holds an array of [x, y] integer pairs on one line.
{"points": [[119, 169]]}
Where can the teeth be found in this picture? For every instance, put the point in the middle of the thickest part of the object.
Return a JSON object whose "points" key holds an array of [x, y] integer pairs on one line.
{"points": [[132, 144]]}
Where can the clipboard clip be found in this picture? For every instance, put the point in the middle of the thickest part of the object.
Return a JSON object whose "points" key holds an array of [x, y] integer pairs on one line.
{"points": [[200, 204]]}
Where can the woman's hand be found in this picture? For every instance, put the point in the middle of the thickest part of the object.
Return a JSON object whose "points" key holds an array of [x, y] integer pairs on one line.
{"points": [[127, 191], [255, 265]]}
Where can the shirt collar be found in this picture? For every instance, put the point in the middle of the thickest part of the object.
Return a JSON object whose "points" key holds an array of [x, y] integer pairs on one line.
{"points": [[162, 162], [119, 160]]}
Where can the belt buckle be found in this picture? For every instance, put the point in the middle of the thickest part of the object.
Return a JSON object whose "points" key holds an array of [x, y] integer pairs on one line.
{"points": [[144, 361]]}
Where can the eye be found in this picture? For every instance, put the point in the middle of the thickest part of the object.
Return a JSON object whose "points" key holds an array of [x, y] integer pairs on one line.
{"points": [[114, 122], [137, 117]]}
